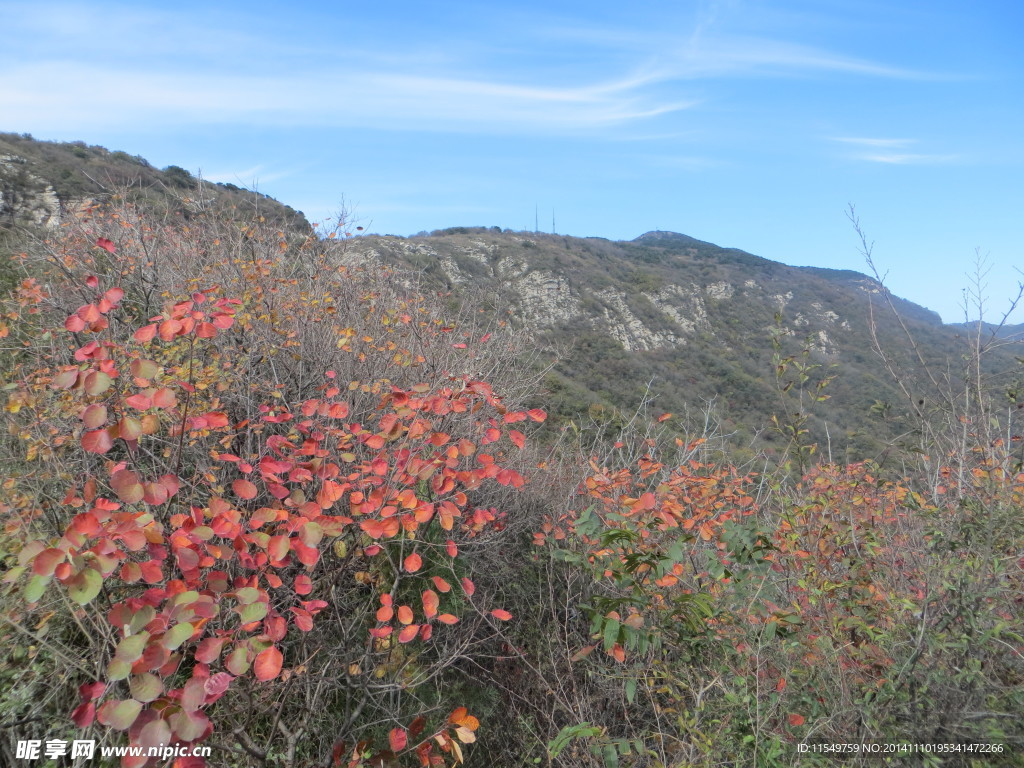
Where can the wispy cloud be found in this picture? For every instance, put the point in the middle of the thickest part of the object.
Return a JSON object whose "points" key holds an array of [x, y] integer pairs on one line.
{"points": [[876, 143], [84, 67], [57, 94], [893, 151], [898, 158], [724, 56]]}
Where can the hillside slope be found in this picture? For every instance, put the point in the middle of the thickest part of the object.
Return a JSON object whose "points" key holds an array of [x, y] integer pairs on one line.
{"points": [[43, 181], [688, 323]]}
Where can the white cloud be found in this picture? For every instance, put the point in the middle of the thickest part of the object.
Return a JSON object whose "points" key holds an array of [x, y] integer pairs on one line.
{"points": [[887, 151], [64, 95], [910, 159], [878, 143]]}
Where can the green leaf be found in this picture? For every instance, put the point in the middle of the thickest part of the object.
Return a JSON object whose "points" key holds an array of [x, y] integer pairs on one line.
{"points": [[253, 612], [247, 595], [35, 588], [86, 586], [141, 618], [130, 648], [118, 669], [630, 689], [611, 756], [611, 633], [237, 662], [185, 598], [177, 635], [145, 687], [119, 714]]}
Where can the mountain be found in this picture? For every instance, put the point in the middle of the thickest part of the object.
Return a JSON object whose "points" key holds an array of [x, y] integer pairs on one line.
{"points": [[716, 335], [683, 323], [41, 182]]}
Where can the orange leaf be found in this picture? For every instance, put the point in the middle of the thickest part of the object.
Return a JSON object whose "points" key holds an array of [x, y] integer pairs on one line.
{"points": [[441, 584], [430, 603], [795, 719], [447, 618], [268, 664], [408, 634], [501, 614], [164, 398], [468, 587], [405, 614], [398, 739], [413, 563]]}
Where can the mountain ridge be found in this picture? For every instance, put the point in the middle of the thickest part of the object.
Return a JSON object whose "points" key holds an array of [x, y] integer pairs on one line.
{"points": [[664, 320]]}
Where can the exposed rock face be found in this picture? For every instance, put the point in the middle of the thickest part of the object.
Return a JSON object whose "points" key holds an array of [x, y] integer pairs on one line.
{"points": [[24, 197], [640, 318]]}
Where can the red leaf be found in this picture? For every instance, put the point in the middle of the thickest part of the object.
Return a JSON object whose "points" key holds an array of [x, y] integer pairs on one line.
{"points": [[84, 714], [65, 379], [139, 402], [216, 685], [303, 585], [94, 416], [413, 563], [408, 634], [537, 414], [97, 441], [74, 323], [501, 614], [398, 739], [209, 649], [268, 664], [795, 719], [468, 587], [106, 245], [517, 437], [244, 489], [145, 333], [47, 561]]}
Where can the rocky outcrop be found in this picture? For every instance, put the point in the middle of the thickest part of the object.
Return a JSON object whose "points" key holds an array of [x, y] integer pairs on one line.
{"points": [[24, 197], [642, 318]]}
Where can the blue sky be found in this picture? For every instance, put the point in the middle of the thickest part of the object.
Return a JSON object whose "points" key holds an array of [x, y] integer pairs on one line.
{"points": [[748, 123]]}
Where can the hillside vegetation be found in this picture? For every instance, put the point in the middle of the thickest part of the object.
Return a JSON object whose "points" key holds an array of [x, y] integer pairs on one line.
{"points": [[683, 324], [280, 497]]}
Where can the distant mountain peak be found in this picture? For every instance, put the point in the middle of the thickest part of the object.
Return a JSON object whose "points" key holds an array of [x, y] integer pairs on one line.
{"points": [[661, 235]]}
